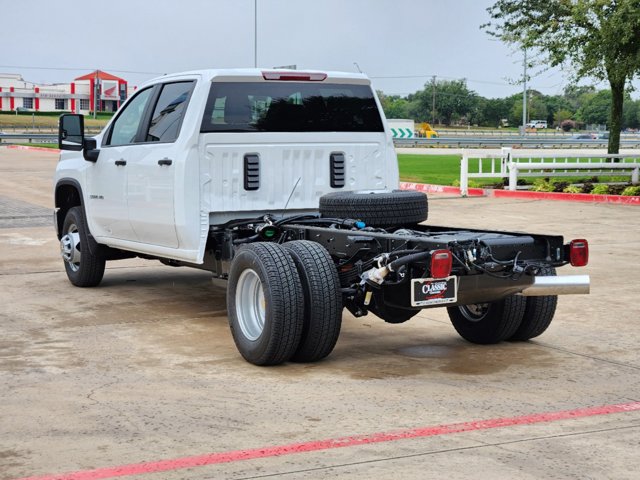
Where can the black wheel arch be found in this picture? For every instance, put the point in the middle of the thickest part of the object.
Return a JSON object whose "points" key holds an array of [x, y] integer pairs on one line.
{"points": [[68, 194]]}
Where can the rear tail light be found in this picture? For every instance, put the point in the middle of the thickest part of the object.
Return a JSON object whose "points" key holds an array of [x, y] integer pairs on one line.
{"points": [[579, 252], [441, 261], [295, 76]]}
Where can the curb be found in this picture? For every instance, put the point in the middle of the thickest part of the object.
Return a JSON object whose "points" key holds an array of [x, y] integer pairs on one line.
{"points": [[489, 192], [37, 149]]}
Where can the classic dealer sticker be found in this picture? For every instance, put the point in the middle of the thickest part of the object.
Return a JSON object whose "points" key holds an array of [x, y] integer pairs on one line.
{"points": [[434, 291]]}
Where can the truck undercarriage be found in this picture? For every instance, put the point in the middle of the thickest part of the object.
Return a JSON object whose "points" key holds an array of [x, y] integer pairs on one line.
{"points": [[395, 272]]}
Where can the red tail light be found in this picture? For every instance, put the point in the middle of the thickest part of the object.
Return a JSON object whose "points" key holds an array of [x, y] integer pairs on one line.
{"points": [[441, 261], [295, 76], [579, 252]]}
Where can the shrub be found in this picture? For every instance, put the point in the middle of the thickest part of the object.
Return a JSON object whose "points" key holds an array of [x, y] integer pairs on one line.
{"points": [[542, 185], [600, 189], [560, 186], [470, 184], [572, 189], [567, 125], [631, 191]]}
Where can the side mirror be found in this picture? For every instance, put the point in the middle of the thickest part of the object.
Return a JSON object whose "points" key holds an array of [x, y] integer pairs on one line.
{"points": [[71, 137], [71, 132], [91, 151]]}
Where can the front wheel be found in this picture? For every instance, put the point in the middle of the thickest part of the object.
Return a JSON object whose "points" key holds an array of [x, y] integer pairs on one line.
{"points": [[487, 323], [84, 268], [265, 304]]}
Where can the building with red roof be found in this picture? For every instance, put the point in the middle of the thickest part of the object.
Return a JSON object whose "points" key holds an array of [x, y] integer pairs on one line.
{"points": [[96, 90]]}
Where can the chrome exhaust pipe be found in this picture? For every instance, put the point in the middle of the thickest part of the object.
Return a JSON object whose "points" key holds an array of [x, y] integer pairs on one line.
{"points": [[564, 285]]}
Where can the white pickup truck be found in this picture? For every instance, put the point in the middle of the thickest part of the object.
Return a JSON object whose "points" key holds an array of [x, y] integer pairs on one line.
{"points": [[284, 183]]}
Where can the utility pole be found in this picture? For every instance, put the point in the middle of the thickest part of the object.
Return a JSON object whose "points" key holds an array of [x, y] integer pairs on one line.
{"points": [[96, 90], [433, 101], [255, 33], [524, 95]]}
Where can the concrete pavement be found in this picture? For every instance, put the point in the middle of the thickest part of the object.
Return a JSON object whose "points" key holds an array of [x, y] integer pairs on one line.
{"points": [[143, 368]]}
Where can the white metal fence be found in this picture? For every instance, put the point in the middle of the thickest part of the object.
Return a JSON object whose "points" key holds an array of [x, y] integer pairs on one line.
{"points": [[511, 166]]}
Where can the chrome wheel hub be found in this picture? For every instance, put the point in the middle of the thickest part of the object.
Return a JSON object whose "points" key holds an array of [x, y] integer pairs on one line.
{"points": [[250, 305], [474, 312], [70, 248]]}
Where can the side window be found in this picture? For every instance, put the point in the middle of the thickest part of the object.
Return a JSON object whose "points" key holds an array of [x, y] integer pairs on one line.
{"points": [[125, 127], [169, 111]]}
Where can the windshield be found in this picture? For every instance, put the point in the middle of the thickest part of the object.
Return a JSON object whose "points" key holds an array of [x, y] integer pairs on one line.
{"points": [[290, 107]]}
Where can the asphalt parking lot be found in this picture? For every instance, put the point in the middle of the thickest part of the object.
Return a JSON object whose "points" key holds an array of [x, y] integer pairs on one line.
{"points": [[142, 373]]}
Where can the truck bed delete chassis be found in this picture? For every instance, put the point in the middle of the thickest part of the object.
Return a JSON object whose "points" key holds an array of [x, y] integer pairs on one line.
{"points": [[486, 265]]}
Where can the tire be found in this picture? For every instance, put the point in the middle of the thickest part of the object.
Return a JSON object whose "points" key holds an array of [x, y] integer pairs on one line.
{"points": [[538, 313], [393, 314], [387, 209], [322, 300], [488, 323], [265, 304], [84, 269]]}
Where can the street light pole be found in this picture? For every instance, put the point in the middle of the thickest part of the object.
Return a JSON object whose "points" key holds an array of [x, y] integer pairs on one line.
{"points": [[524, 95], [255, 33], [433, 101]]}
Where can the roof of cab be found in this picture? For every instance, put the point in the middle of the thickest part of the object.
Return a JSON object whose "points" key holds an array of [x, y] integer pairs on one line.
{"points": [[256, 74]]}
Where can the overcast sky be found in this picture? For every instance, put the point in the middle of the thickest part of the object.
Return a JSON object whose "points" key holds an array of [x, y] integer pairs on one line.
{"points": [[400, 44]]}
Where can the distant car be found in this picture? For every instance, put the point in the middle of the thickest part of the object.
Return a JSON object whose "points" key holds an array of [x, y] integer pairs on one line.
{"points": [[585, 136], [22, 109], [537, 124], [604, 136]]}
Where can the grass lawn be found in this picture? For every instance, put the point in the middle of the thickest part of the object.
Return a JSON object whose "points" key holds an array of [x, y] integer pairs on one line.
{"points": [[43, 145], [26, 120], [445, 170], [436, 169]]}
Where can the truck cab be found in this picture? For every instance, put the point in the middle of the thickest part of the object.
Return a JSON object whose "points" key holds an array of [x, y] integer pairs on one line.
{"points": [[202, 148]]}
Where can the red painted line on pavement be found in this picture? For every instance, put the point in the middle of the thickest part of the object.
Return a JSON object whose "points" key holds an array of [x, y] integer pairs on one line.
{"points": [[525, 195], [280, 450]]}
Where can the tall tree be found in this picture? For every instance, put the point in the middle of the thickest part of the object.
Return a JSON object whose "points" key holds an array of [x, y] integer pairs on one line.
{"points": [[452, 100], [598, 38]]}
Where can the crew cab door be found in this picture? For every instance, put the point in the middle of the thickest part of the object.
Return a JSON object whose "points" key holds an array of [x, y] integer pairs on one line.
{"points": [[107, 178], [152, 166]]}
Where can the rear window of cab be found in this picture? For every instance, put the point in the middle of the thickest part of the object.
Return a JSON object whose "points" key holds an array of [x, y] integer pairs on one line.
{"points": [[290, 107]]}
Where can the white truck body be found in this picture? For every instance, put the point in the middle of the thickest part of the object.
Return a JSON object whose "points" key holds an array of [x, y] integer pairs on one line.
{"points": [[166, 211]]}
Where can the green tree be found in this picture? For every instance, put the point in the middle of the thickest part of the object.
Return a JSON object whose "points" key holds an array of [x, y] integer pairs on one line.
{"points": [[536, 107], [575, 94], [598, 38], [453, 101], [494, 110], [595, 108], [555, 104], [562, 115], [394, 106], [631, 114]]}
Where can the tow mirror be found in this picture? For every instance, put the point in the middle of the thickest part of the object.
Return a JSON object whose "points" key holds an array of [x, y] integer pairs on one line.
{"points": [[71, 132], [71, 137]]}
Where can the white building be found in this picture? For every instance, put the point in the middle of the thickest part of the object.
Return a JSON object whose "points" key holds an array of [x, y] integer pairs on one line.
{"points": [[79, 96]]}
